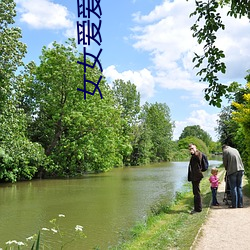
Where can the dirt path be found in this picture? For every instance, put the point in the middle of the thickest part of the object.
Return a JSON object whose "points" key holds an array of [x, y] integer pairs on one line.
{"points": [[225, 228]]}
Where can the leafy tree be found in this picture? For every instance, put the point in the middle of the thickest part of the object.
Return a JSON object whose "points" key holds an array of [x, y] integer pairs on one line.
{"points": [[79, 135], [156, 120], [19, 157], [227, 127], [128, 100], [196, 131], [241, 115], [208, 23], [142, 145], [183, 144]]}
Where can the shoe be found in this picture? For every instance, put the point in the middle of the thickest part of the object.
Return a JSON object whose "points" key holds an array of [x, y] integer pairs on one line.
{"points": [[217, 204], [231, 207], [194, 212]]}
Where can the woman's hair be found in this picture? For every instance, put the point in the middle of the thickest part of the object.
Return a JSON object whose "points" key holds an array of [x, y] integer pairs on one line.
{"points": [[214, 170]]}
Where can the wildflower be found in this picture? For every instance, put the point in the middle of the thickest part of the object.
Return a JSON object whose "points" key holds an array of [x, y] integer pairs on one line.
{"points": [[45, 229], [20, 243], [78, 228], [61, 215], [10, 242], [54, 230], [29, 238]]}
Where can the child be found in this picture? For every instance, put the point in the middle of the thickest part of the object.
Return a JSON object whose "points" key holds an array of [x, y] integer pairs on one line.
{"points": [[214, 185]]}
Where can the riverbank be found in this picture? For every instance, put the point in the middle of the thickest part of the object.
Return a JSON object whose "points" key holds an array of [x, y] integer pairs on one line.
{"points": [[173, 227]]}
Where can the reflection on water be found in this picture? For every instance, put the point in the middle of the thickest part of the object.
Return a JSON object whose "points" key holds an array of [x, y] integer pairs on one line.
{"points": [[104, 204]]}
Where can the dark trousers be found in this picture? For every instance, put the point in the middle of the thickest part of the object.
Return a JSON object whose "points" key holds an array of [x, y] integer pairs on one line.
{"points": [[214, 196], [197, 196]]}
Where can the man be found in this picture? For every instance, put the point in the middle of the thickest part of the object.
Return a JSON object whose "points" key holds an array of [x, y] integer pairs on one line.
{"points": [[195, 175], [235, 170]]}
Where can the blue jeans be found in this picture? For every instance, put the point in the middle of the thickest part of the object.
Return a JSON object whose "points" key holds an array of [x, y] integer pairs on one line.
{"points": [[235, 182], [214, 196]]}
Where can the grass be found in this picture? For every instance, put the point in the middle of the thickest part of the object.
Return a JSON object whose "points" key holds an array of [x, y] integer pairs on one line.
{"points": [[170, 226]]}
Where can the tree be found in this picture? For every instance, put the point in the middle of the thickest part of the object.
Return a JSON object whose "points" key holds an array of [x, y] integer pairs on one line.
{"points": [[12, 50], [196, 131], [242, 116], [208, 23], [20, 158], [183, 144], [78, 135], [128, 100], [227, 127], [157, 121]]}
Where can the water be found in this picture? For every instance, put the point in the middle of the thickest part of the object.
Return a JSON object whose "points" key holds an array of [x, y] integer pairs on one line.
{"points": [[104, 204]]}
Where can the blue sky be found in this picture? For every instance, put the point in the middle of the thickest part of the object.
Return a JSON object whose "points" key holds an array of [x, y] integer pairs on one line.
{"points": [[148, 42]]}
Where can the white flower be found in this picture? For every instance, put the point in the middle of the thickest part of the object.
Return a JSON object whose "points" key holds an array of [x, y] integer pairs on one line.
{"points": [[54, 230], [10, 242], [61, 215], [78, 228], [29, 238], [20, 243], [45, 229]]}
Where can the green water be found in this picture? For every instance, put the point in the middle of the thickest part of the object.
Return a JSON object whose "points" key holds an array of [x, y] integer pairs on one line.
{"points": [[105, 204]]}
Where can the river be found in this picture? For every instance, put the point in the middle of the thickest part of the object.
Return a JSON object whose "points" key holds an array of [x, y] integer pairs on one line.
{"points": [[104, 204]]}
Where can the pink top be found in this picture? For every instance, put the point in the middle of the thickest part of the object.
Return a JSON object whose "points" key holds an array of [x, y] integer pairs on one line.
{"points": [[214, 181]]}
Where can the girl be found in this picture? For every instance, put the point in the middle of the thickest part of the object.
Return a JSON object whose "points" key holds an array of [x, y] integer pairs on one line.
{"points": [[214, 186]]}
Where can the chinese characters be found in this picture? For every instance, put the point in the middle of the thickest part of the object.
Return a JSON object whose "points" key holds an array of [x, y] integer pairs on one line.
{"points": [[88, 32]]}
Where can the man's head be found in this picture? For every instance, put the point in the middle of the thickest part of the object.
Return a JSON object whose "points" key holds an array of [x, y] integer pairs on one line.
{"points": [[192, 148]]}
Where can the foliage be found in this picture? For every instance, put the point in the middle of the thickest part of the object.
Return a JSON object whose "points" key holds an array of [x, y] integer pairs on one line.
{"points": [[21, 158], [205, 28], [242, 116], [128, 100], [201, 146], [215, 148], [78, 135], [196, 131], [156, 121], [227, 127]]}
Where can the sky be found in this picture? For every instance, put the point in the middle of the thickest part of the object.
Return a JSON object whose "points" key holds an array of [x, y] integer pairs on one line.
{"points": [[146, 42]]}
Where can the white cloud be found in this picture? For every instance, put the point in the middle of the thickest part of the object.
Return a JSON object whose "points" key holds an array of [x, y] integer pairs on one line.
{"points": [[143, 80], [165, 33], [208, 122], [44, 14]]}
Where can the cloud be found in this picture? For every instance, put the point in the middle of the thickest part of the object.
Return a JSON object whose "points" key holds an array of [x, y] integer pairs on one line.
{"points": [[143, 80], [198, 117], [165, 33], [44, 14]]}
